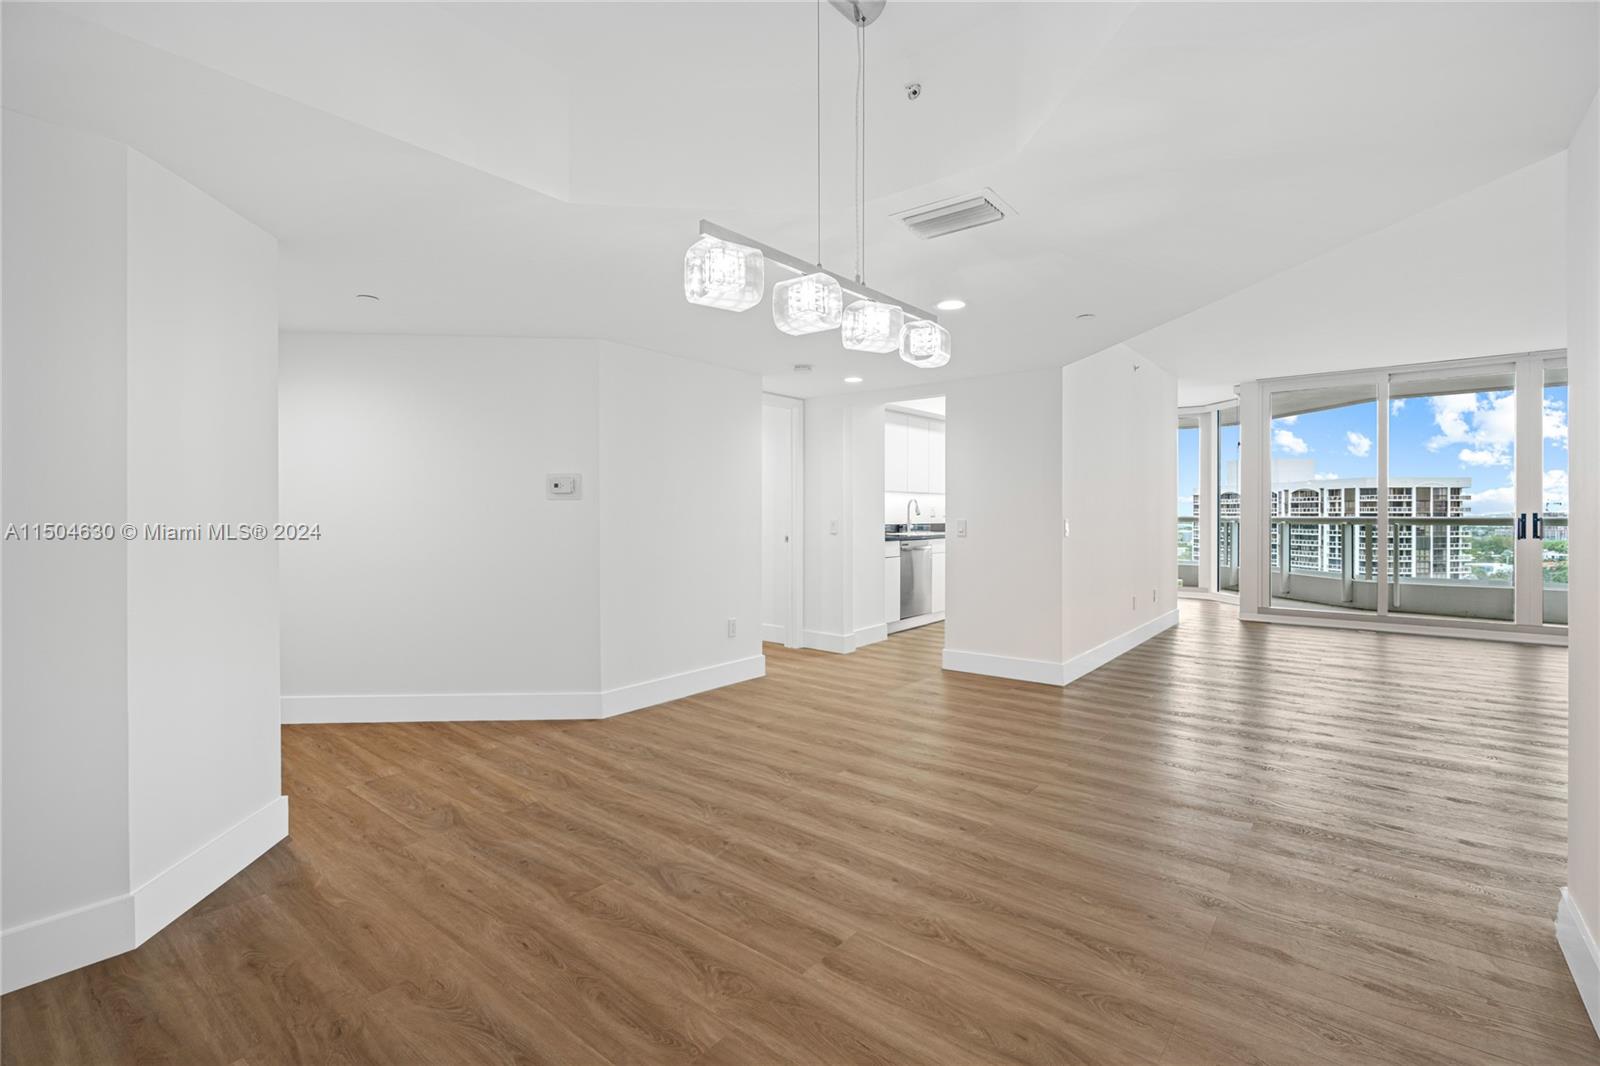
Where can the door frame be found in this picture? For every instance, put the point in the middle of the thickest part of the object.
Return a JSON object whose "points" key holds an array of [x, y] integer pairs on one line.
{"points": [[1255, 422], [793, 631]]}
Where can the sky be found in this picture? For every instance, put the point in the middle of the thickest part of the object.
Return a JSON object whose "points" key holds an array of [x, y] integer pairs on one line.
{"points": [[1463, 435]]}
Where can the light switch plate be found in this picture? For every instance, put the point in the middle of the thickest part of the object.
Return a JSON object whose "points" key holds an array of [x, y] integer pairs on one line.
{"points": [[563, 487], [961, 527]]}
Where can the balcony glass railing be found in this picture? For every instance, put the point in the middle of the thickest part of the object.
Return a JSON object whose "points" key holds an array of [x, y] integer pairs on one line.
{"points": [[1457, 567], [1188, 552]]}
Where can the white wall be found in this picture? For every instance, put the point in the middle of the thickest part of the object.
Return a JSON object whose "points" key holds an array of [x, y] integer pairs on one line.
{"points": [[140, 679], [65, 717], [1087, 447], [680, 517], [1119, 569], [442, 567], [1479, 274], [778, 546], [1579, 918], [447, 585], [202, 376], [1003, 477]]}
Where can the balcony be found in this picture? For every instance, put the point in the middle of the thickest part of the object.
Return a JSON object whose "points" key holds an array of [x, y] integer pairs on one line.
{"points": [[1331, 563]]}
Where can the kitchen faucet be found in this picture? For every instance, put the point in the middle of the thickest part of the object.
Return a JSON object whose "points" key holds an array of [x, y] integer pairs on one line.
{"points": [[909, 505]]}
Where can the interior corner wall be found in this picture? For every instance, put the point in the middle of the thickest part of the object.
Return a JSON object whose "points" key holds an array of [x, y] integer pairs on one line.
{"points": [[1003, 479], [680, 527], [202, 350], [65, 717], [1119, 569], [1578, 922], [140, 676], [449, 585]]}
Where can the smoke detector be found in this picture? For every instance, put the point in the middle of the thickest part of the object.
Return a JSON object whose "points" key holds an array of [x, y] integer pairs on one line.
{"points": [[956, 214]]}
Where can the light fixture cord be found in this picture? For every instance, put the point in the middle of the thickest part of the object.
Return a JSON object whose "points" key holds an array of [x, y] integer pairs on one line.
{"points": [[861, 149], [819, 133]]}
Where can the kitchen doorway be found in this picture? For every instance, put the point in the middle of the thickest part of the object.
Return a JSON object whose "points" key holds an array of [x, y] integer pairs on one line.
{"points": [[914, 513]]}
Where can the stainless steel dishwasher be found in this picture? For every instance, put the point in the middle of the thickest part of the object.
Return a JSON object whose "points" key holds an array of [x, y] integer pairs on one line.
{"points": [[916, 578]]}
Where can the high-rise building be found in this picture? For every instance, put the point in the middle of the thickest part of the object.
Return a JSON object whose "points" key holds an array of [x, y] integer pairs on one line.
{"points": [[1423, 551]]}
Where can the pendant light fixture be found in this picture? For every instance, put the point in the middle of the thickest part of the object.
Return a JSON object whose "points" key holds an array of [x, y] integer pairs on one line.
{"points": [[812, 303], [925, 344], [870, 326], [727, 270], [723, 274]]}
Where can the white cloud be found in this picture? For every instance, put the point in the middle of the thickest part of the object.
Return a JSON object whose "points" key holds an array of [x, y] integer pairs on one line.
{"points": [[1323, 476], [1287, 420], [1290, 443], [1396, 406], [1502, 500], [1359, 443], [1555, 422], [1486, 423]]}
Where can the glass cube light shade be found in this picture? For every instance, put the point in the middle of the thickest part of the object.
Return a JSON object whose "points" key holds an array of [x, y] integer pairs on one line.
{"points": [[925, 344], [719, 273], [870, 326], [807, 304]]}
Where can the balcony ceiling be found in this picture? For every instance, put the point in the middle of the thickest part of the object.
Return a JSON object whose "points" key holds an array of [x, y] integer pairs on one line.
{"points": [[538, 169]]}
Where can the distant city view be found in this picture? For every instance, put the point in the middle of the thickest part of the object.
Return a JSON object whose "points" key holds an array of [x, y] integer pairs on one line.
{"points": [[1450, 456]]}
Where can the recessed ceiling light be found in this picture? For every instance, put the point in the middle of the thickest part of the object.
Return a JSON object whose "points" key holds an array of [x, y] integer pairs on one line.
{"points": [[852, 381], [366, 296], [950, 305], [1087, 314]]}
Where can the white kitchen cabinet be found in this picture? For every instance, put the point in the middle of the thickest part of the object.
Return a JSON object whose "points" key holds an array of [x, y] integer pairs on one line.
{"points": [[917, 466], [938, 582], [891, 587], [896, 431], [936, 457]]}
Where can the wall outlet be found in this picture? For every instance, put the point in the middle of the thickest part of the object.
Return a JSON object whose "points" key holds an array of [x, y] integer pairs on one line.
{"points": [[833, 527], [733, 627]]}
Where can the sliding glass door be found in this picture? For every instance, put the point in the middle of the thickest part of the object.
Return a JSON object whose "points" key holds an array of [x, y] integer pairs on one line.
{"points": [[1427, 494], [1228, 499], [1188, 501]]}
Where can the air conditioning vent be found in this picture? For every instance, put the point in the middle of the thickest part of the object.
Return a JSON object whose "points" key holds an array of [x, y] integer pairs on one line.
{"points": [[936, 220]]}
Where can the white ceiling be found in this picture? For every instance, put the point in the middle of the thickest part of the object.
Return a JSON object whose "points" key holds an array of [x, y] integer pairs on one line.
{"points": [[538, 169]]}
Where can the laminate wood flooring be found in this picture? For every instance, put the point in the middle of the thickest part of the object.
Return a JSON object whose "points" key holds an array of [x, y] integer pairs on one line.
{"points": [[1235, 844]]}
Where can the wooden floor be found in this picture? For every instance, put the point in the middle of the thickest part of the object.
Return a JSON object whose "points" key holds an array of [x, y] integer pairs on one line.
{"points": [[1235, 844]]}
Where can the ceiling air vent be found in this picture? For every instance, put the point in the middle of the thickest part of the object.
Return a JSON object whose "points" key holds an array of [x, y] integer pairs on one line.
{"points": [[951, 216]]}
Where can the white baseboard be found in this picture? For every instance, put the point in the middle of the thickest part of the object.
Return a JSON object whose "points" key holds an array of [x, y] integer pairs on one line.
{"points": [[676, 686], [900, 625], [41, 949], [517, 706], [839, 643], [1039, 671], [844, 643], [774, 634], [191, 879], [1583, 957], [1099, 655], [1047, 672], [871, 634]]}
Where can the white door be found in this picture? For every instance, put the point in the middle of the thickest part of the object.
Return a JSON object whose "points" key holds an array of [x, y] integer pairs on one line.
{"points": [[777, 520]]}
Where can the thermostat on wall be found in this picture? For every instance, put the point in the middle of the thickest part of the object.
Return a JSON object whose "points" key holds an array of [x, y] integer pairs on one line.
{"points": [[562, 487]]}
